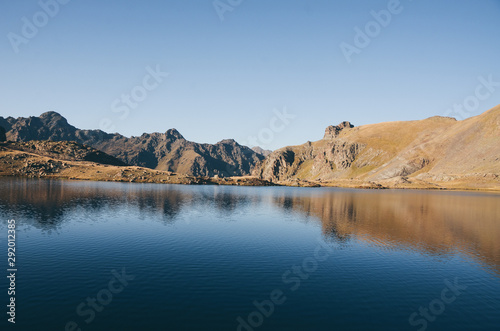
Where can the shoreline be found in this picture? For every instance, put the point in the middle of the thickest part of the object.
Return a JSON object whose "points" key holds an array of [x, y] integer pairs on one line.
{"points": [[253, 181], [26, 164]]}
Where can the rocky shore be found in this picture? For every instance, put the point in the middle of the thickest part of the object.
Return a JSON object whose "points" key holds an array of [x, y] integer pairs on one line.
{"points": [[69, 160]]}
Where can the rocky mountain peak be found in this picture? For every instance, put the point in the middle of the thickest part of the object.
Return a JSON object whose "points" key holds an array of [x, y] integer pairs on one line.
{"points": [[228, 142], [50, 115], [334, 130], [173, 134], [54, 119]]}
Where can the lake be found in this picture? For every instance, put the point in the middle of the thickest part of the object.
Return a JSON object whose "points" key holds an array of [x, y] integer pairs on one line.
{"points": [[122, 256]]}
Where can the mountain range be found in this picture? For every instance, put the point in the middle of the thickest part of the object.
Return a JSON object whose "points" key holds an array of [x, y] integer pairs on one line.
{"points": [[437, 152], [167, 151]]}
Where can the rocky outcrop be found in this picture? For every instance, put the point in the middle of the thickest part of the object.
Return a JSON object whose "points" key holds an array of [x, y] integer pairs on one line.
{"points": [[401, 167], [168, 151], [277, 166], [308, 161], [342, 154], [333, 131]]}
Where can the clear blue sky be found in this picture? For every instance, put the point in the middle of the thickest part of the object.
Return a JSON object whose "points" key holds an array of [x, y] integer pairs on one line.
{"points": [[226, 77]]}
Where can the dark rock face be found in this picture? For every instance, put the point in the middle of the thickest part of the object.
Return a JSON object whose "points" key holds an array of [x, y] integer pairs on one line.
{"points": [[168, 151], [333, 131], [278, 166], [49, 126], [3, 137]]}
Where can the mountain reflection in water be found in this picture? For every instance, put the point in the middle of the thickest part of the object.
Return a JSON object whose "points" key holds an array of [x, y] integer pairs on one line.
{"points": [[432, 222]]}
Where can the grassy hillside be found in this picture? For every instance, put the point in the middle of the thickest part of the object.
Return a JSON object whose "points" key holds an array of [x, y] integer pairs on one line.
{"points": [[438, 152]]}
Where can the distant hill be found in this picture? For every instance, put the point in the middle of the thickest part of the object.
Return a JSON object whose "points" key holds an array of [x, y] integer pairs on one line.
{"points": [[167, 151], [261, 151], [435, 152]]}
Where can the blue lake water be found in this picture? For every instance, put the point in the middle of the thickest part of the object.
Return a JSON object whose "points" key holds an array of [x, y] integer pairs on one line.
{"points": [[116, 256]]}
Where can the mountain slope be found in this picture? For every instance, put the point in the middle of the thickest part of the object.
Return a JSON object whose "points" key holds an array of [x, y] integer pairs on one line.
{"points": [[70, 160], [437, 150], [63, 150], [167, 151]]}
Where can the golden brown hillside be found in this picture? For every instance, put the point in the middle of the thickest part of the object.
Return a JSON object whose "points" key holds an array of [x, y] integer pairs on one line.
{"points": [[438, 152]]}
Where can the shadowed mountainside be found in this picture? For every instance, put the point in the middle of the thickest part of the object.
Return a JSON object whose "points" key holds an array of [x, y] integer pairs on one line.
{"points": [[167, 151], [2, 134]]}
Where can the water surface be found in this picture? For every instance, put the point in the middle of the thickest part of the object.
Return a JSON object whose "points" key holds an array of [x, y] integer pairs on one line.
{"points": [[202, 257]]}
